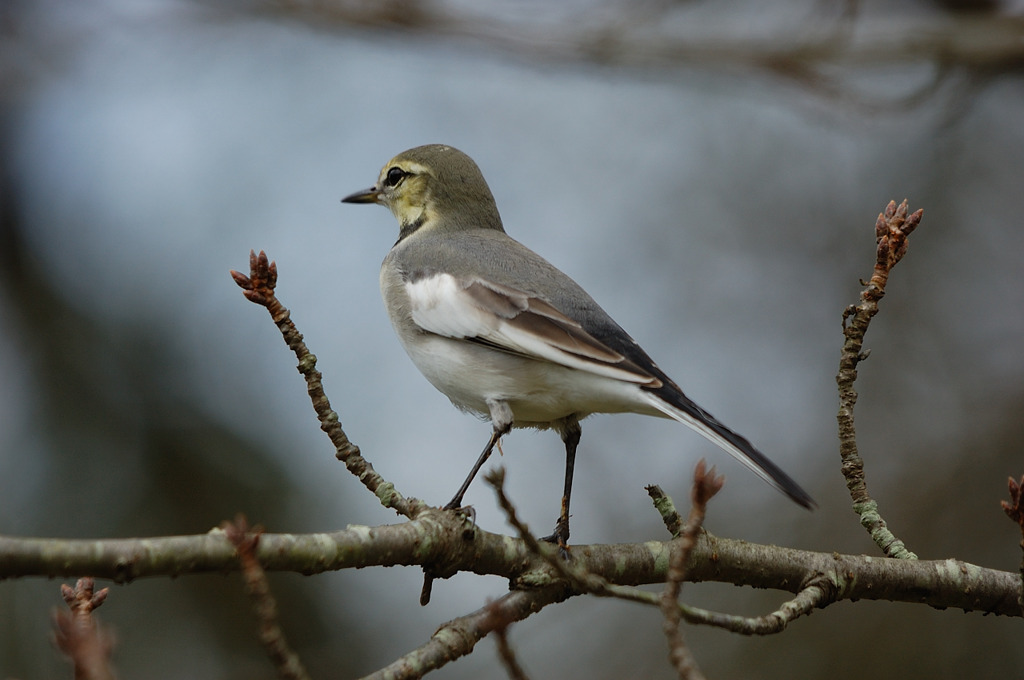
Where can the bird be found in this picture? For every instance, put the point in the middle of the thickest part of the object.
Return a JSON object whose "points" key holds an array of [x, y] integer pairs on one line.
{"points": [[506, 335]]}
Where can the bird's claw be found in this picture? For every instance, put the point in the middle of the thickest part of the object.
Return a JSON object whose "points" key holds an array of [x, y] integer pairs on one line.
{"points": [[560, 538]]}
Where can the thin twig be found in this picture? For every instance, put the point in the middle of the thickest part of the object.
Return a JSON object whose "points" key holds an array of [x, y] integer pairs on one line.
{"points": [[666, 508], [1015, 511], [499, 626], [508, 656], [258, 287], [459, 636], [891, 231], [245, 540], [80, 636], [814, 595], [583, 580], [706, 483]]}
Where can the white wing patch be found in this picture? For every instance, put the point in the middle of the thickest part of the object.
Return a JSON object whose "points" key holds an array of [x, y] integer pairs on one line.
{"points": [[512, 321], [439, 305]]}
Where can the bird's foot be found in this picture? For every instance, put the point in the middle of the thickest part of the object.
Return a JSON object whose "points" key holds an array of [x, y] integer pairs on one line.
{"points": [[561, 538], [467, 513], [467, 510]]}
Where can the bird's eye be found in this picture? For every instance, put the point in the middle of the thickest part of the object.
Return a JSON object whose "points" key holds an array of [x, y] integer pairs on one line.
{"points": [[394, 176]]}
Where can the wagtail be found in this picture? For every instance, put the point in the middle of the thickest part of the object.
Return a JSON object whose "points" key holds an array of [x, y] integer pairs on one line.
{"points": [[506, 335]]}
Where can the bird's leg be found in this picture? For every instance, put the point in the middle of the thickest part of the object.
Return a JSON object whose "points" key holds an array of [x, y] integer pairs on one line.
{"points": [[500, 430], [571, 437]]}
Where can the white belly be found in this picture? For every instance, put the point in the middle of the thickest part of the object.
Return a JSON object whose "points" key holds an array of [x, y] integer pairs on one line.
{"points": [[538, 392]]}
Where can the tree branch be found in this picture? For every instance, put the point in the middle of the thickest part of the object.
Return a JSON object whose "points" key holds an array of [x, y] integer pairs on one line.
{"points": [[656, 38], [86, 643], [258, 287], [459, 636], [440, 536], [1014, 509], [264, 606], [706, 483], [666, 508], [891, 231]]}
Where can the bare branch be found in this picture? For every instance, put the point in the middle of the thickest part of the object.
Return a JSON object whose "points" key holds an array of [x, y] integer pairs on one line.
{"points": [[437, 536], [666, 508], [705, 485], [1015, 511], [891, 231], [594, 582], [245, 540], [459, 636], [815, 595], [819, 55], [499, 625], [258, 287], [575, 574], [80, 636]]}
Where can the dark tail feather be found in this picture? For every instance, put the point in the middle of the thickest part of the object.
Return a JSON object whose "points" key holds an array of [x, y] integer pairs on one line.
{"points": [[691, 415]]}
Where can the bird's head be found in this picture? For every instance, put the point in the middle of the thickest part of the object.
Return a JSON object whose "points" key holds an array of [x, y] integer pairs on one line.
{"points": [[433, 187]]}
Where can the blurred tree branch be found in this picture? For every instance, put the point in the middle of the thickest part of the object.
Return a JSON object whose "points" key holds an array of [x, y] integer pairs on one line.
{"points": [[264, 606], [86, 643], [660, 35], [820, 53], [825, 52]]}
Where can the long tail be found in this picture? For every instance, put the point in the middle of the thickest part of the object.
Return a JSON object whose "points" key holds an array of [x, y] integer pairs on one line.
{"points": [[677, 406]]}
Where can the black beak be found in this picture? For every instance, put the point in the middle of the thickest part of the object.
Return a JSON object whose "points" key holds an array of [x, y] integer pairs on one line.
{"points": [[364, 196]]}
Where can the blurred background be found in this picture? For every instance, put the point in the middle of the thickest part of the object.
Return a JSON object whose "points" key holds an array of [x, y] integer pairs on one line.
{"points": [[709, 171]]}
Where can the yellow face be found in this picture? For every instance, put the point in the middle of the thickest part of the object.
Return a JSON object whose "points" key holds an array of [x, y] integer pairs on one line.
{"points": [[404, 188], [430, 187]]}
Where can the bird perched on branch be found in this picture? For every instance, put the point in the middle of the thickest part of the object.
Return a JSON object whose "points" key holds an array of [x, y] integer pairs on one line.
{"points": [[506, 335]]}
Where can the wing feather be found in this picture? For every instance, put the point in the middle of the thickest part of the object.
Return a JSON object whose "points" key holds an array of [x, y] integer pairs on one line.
{"points": [[511, 320]]}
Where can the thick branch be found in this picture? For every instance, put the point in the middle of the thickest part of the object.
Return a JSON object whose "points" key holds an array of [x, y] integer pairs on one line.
{"points": [[442, 539]]}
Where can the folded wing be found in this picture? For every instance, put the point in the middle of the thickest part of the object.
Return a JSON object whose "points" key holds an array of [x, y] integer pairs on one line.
{"points": [[513, 321]]}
